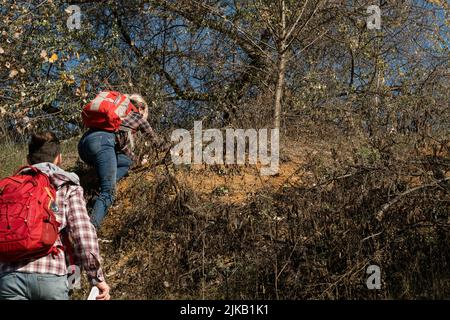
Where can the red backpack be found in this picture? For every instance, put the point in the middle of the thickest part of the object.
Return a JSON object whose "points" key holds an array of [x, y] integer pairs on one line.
{"points": [[107, 111], [28, 226]]}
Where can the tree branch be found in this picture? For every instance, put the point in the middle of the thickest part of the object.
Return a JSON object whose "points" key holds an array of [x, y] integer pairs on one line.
{"points": [[380, 213]]}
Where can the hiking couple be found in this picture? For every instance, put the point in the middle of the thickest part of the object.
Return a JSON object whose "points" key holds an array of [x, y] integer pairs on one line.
{"points": [[44, 224]]}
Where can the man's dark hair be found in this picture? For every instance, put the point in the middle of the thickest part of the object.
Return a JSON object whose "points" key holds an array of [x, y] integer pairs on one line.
{"points": [[43, 147]]}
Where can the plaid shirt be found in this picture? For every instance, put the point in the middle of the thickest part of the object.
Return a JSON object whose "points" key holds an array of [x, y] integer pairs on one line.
{"points": [[72, 215], [132, 123]]}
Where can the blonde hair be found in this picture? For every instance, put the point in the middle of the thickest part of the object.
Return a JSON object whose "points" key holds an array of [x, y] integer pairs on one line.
{"points": [[137, 100]]}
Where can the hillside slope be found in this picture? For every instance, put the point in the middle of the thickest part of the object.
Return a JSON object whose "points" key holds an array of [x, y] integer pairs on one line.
{"points": [[309, 232]]}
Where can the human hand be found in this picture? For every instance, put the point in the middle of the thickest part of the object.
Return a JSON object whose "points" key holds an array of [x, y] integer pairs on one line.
{"points": [[104, 291]]}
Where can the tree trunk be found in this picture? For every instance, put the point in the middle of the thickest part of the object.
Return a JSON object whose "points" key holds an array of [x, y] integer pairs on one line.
{"points": [[279, 90], [281, 68]]}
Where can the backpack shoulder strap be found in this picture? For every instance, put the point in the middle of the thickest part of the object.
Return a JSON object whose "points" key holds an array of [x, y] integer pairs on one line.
{"points": [[18, 171]]}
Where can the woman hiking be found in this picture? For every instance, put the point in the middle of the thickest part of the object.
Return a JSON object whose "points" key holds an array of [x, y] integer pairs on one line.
{"points": [[108, 144]]}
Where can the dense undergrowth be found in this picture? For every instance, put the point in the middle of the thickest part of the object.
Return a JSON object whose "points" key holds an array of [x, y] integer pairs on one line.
{"points": [[309, 234], [224, 232]]}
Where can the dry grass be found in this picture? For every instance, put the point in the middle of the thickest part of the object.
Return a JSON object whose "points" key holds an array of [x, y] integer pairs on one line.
{"points": [[224, 232], [308, 233]]}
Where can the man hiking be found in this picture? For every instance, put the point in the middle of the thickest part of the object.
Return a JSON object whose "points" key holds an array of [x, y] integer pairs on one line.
{"points": [[44, 223], [112, 119]]}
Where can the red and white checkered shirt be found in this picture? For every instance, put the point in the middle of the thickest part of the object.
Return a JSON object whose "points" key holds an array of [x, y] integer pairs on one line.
{"points": [[132, 123], [74, 219]]}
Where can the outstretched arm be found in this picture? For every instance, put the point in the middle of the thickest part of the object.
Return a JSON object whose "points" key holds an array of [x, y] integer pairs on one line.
{"points": [[84, 237], [145, 127]]}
